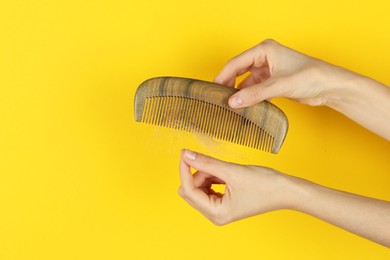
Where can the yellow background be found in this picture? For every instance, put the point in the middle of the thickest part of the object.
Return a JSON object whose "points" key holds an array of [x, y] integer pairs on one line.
{"points": [[79, 179]]}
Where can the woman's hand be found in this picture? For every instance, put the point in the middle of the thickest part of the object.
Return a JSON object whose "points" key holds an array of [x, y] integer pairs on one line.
{"points": [[278, 71], [253, 190], [250, 190]]}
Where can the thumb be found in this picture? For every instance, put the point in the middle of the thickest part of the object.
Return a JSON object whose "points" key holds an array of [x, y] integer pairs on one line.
{"points": [[209, 165], [251, 95]]}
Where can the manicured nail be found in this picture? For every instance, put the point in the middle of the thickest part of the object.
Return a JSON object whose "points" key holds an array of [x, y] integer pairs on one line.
{"points": [[190, 155], [235, 102]]}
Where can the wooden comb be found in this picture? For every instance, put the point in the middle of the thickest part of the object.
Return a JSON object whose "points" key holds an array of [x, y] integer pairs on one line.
{"points": [[202, 107]]}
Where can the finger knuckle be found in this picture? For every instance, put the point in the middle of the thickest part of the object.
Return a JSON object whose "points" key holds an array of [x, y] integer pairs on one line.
{"points": [[219, 222], [182, 192], [232, 61], [208, 163], [268, 45], [269, 42], [254, 95], [221, 219]]}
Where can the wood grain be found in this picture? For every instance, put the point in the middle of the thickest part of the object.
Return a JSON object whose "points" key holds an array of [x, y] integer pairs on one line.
{"points": [[206, 108]]}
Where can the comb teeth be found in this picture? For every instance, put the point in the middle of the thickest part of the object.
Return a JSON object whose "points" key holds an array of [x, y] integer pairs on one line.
{"points": [[198, 116], [201, 107]]}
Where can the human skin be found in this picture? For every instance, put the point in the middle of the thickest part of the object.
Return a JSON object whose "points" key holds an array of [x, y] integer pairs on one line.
{"points": [[253, 190], [278, 71]]}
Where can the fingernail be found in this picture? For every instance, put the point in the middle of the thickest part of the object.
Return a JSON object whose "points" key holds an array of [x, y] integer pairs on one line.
{"points": [[235, 102], [190, 155]]}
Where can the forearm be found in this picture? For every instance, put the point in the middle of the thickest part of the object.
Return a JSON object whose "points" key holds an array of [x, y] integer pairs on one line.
{"points": [[365, 101], [366, 217]]}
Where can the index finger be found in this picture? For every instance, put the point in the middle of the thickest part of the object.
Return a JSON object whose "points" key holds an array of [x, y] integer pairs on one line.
{"points": [[240, 64]]}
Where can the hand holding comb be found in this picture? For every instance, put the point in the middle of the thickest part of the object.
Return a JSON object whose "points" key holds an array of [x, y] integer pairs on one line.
{"points": [[202, 107]]}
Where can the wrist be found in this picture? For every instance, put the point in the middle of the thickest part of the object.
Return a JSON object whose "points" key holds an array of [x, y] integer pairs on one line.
{"points": [[300, 193], [346, 90], [342, 87]]}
